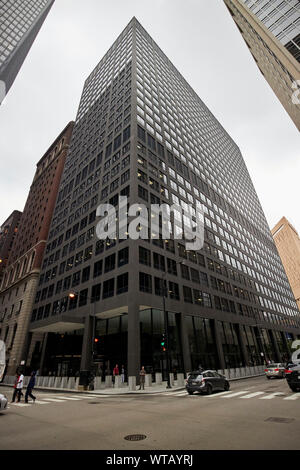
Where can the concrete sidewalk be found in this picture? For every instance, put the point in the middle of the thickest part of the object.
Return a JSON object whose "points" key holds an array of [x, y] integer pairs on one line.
{"points": [[154, 389], [109, 391]]}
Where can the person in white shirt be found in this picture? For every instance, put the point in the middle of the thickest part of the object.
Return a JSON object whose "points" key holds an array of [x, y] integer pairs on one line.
{"points": [[18, 387]]}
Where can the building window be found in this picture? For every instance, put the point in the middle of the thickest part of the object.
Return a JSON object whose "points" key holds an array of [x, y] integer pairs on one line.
{"points": [[85, 274], [187, 294], [143, 193], [144, 256], [123, 256], [145, 282], [88, 253], [122, 283], [141, 134], [96, 292], [83, 297], [110, 263], [99, 247], [76, 279], [195, 275], [174, 290], [108, 288], [185, 271], [126, 134], [98, 268], [159, 261]]}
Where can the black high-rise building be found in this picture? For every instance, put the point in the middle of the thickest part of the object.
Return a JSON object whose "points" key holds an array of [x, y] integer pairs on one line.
{"points": [[142, 132]]}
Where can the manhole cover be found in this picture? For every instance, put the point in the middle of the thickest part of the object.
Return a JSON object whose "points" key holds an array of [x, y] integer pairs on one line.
{"points": [[280, 420], [135, 437]]}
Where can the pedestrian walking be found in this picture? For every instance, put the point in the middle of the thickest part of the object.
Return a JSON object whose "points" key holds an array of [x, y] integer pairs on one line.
{"points": [[142, 378], [30, 387], [18, 387], [115, 372], [122, 374], [15, 388]]}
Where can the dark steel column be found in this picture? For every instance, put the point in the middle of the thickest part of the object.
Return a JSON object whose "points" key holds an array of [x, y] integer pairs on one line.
{"points": [[86, 352], [187, 363], [275, 346], [219, 344], [238, 329], [134, 352]]}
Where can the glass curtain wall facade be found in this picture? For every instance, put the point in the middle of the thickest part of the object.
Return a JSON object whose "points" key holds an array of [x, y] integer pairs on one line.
{"points": [[141, 131], [270, 29], [282, 18], [20, 22]]}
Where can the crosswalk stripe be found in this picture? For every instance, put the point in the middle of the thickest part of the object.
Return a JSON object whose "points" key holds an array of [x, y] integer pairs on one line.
{"points": [[217, 395], [54, 399], [236, 394], [251, 395], [293, 397], [83, 397], [20, 404], [98, 396], [39, 402], [271, 395], [68, 398]]}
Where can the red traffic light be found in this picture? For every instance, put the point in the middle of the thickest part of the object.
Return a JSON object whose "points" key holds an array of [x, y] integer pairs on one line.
{"points": [[96, 340]]}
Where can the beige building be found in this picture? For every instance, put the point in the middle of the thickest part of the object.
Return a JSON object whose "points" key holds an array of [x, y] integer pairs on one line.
{"points": [[287, 242], [276, 56]]}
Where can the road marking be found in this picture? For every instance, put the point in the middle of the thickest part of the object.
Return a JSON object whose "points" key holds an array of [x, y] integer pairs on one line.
{"points": [[236, 394], [271, 395], [83, 397], [101, 396], [67, 398], [293, 397], [39, 402], [251, 395], [20, 404], [54, 399], [217, 395]]}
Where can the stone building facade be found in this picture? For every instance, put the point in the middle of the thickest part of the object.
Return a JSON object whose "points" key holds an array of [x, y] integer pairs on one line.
{"points": [[287, 242], [21, 275]]}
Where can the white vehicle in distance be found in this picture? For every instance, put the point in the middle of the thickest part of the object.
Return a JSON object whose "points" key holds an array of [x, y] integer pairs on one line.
{"points": [[275, 370]]}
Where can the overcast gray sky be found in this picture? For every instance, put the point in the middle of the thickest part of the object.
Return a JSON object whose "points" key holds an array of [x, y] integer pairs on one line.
{"points": [[202, 41]]}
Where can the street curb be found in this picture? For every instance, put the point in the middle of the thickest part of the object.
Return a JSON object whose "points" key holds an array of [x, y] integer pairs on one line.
{"points": [[246, 377], [95, 393]]}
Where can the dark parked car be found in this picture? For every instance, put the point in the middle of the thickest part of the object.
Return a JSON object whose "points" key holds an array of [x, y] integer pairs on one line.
{"points": [[275, 370], [206, 381], [292, 375]]}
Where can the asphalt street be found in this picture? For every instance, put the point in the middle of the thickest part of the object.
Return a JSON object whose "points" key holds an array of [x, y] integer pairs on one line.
{"points": [[256, 414]]}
